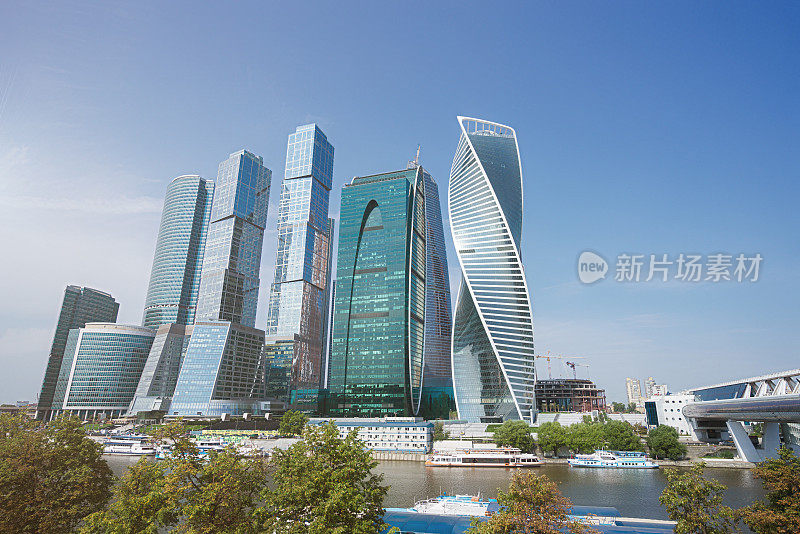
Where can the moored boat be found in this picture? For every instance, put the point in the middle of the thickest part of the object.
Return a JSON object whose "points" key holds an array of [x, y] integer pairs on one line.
{"points": [[128, 446], [614, 460], [500, 457]]}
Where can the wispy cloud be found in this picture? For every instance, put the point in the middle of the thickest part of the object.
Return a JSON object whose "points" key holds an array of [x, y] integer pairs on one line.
{"points": [[115, 206]]}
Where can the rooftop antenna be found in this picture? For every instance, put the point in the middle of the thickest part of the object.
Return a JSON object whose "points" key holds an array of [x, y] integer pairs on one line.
{"points": [[416, 159], [413, 164]]}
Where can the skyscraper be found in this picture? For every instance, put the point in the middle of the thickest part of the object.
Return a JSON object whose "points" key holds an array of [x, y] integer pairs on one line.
{"points": [[101, 368], [232, 260], [81, 305], [493, 360], [223, 370], [633, 388], [298, 305], [178, 260], [381, 309]]}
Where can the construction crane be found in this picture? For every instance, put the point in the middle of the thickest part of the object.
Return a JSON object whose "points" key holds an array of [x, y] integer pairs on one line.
{"points": [[574, 364], [547, 356]]}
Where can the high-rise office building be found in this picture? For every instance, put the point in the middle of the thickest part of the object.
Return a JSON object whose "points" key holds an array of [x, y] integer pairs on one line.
{"points": [[232, 260], [80, 305], [381, 308], [178, 260], [493, 358], [101, 368], [223, 370], [649, 383], [160, 374], [298, 305], [633, 388]]}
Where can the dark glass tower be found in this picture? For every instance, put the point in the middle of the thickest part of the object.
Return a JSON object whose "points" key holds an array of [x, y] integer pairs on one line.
{"points": [[381, 313], [81, 305]]}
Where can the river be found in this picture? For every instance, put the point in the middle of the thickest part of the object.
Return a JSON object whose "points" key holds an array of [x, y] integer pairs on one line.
{"points": [[634, 492]]}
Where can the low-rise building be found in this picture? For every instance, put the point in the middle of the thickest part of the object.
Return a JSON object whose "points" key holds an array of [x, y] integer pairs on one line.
{"points": [[388, 434], [668, 410]]}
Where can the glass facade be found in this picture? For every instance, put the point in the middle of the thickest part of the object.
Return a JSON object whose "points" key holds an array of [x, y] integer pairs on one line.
{"points": [[278, 355], [298, 304], [102, 370], [160, 373], [232, 259], [492, 356], [81, 305], [379, 330], [178, 260], [223, 371]]}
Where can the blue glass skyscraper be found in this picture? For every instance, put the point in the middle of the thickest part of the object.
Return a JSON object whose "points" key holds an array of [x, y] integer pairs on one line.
{"points": [[224, 370], [493, 359], [230, 276], [298, 305], [178, 260]]}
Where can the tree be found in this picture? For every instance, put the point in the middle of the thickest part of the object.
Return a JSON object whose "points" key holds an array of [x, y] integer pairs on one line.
{"points": [[631, 407], [663, 443], [515, 434], [585, 437], [293, 423], [51, 475], [696, 503], [618, 407], [780, 514], [621, 436], [324, 484], [552, 436], [533, 504], [439, 433], [183, 492]]}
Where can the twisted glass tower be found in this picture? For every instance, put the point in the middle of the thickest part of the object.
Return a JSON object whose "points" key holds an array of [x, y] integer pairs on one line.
{"points": [[492, 355], [178, 261]]}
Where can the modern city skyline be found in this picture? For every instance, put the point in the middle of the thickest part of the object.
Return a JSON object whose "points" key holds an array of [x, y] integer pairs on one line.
{"points": [[493, 356], [230, 277], [178, 259], [378, 345], [101, 369], [299, 296], [80, 305]]}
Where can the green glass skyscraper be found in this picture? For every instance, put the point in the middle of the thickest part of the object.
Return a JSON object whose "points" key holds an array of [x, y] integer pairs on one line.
{"points": [[379, 326]]}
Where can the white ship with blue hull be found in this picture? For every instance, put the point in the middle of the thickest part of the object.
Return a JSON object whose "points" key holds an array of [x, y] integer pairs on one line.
{"points": [[613, 460]]}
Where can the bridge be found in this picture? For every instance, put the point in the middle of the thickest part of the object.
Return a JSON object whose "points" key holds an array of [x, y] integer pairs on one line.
{"points": [[769, 399]]}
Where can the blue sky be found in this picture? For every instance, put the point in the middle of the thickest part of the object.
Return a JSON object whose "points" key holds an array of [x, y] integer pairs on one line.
{"points": [[642, 128]]}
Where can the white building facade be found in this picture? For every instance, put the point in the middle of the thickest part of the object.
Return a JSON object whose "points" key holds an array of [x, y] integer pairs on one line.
{"points": [[389, 434]]}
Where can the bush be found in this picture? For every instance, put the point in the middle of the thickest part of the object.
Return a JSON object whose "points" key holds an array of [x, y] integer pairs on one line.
{"points": [[663, 443]]}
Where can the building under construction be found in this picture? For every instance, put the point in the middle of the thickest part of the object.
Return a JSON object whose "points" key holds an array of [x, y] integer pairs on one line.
{"points": [[569, 395]]}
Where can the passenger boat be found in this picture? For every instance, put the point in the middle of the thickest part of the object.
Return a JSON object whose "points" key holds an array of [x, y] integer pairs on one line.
{"points": [[128, 446], [501, 457], [613, 459], [461, 505], [204, 448]]}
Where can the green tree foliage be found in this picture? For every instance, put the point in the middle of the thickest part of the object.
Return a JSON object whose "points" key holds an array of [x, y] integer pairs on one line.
{"points": [[533, 504], [696, 503], [515, 434], [618, 407], [780, 514], [621, 436], [663, 443], [293, 423], [51, 475], [324, 484], [585, 437], [439, 433], [184, 493], [552, 436], [631, 407]]}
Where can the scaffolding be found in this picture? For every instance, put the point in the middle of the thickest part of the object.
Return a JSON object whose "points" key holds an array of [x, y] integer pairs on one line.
{"points": [[569, 395]]}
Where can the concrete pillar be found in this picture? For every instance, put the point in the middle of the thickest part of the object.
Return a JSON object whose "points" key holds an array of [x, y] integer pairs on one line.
{"points": [[747, 451]]}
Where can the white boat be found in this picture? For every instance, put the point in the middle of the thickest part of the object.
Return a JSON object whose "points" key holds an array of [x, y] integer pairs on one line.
{"points": [[613, 459], [501, 457], [461, 505], [128, 446], [205, 446]]}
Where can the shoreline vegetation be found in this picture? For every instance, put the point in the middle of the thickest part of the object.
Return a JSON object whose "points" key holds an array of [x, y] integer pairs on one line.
{"points": [[53, 479]]}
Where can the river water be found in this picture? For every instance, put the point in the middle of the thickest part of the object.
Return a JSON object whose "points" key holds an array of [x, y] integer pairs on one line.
{"points": [[634, 492]]}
